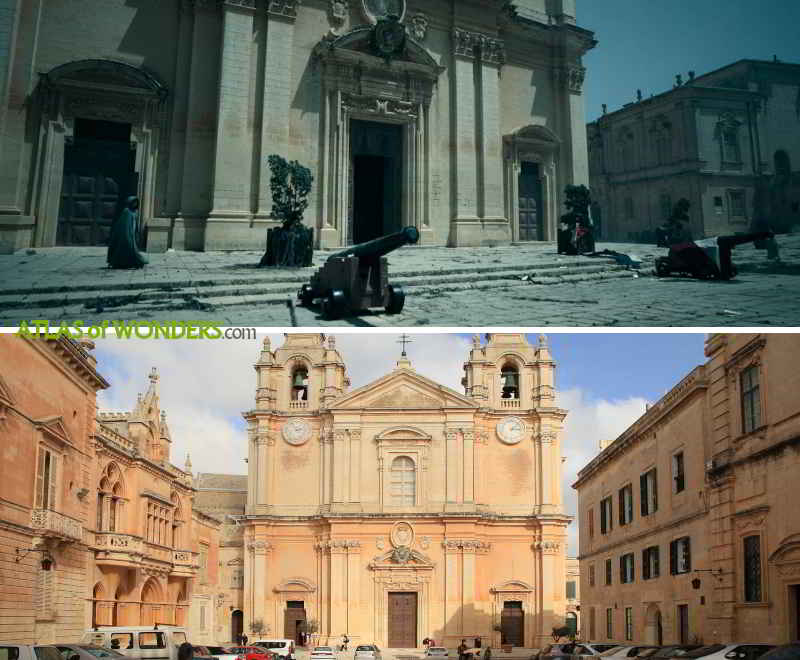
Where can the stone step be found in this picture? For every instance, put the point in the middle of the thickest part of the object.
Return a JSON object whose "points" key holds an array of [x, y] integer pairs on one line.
{"points": [[278, 290]]}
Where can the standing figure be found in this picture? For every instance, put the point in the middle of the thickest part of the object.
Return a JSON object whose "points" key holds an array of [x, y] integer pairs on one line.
{"points": [[244, 639], [185, 651], [122, 249]]}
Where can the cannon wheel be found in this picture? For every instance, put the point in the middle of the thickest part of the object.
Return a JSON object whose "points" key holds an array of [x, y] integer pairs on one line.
{"points": [[306, 295], [662, 266], [397, 298], [334, 305]]}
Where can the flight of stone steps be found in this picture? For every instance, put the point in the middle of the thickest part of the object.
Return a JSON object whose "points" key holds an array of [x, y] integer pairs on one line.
{"points": [[210, 293]]}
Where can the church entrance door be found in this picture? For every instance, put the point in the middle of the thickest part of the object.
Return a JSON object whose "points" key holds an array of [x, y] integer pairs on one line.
{"points": [[530, 202], [237, 625], [512, 623], [99, 168], [294, 620], [402, 620], [376, 183]]}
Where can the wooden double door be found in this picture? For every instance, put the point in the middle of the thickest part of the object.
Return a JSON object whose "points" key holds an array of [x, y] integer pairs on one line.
{"points": [[512, 623], [530, 202], [402, 620]]}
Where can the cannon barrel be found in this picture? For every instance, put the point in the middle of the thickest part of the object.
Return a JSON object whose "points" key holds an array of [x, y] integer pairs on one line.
{"points": [[380, 246]]}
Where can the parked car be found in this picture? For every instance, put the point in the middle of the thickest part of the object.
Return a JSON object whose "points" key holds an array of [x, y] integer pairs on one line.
{"points": [[730, 651], [28, 652], [556, 651], [199, 651], [436, 651], [85, 652], [590, 649], [367, 652], [322, 653], [251, 653], [783, 652], [627, 651], [671, 651], [220, 652], [138, 642], [281, 647]]}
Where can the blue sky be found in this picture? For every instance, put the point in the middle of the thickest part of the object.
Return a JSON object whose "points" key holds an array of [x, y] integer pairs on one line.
{"points": [[644, 43], [604, 381]]}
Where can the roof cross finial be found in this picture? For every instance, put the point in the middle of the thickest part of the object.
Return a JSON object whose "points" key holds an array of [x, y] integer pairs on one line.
{"points": [[404, 339]]}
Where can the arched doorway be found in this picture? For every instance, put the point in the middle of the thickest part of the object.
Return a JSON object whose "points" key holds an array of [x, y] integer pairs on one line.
{"points": [[653, 630], [151, 603], [237, 625]]}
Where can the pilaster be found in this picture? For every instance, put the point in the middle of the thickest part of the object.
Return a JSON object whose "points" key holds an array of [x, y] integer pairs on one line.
{"points": [[492, 58], [233, 144]]}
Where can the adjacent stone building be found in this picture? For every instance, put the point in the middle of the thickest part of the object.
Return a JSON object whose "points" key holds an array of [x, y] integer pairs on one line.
{"points": [[727, 141], [403, 509], [689, 528], [464, 119]]}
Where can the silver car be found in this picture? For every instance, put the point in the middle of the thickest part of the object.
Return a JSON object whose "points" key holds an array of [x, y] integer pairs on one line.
{"points": [[86, 652], [436, 652], [367, 652], [323, 653]]}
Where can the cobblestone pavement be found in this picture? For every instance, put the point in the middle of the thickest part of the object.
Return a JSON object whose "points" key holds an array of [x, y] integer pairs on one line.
{"points": [[446, 287]]}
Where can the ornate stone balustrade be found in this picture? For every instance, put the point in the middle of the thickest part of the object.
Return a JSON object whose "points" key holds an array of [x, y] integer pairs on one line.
{"points": [[183, 558], [113, 542], [298, 405], [509, 403], [52, 523]]}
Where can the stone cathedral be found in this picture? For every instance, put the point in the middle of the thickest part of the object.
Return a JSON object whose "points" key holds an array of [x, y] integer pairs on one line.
{"points": [[463, 118], [403, 509]]}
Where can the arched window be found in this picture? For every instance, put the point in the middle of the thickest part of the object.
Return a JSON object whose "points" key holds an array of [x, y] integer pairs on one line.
{"points": [[509, 381], [176, 522], [110, 500], [300, 384], [403, 480], [728, 136], [783, 166]]}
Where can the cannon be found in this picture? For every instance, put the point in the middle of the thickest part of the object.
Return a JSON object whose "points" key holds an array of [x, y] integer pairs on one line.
{"points": [[357, 278], [709, 258]]}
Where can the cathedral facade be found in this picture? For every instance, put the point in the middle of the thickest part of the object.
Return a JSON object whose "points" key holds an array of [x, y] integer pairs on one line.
{"points": [[462, 118], [403, 509]]}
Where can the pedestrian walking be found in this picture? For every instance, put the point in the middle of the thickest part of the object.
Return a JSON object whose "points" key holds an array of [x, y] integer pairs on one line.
{"points": [[462, 648], [244, 639]]}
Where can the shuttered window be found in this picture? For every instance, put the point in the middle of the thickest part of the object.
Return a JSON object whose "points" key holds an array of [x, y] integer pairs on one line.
{"points": [[752, 569], [46, 475], [680, 556], [626, 568], [571, 590], [751, 400], [648, 486], [606, 516], [650, 568], [608, 571], [678, 478], [403, 482], [626, 505]]}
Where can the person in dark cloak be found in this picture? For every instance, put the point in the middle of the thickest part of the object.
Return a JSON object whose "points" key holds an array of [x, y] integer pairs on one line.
{"points": [[122, 249]]}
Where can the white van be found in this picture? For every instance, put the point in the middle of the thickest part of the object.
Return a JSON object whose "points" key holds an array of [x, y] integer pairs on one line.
{"points": [[139, 642], [282, 647]]}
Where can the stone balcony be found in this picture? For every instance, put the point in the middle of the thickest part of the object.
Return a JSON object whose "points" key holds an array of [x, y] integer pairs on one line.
{"points": [[115, 549], [509, 403], [48, 523], [183, 563], [298, 405]]}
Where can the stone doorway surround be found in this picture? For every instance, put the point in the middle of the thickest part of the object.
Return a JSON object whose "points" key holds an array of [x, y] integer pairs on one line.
{"points": [[359, 85], [540, 145], [784, 563], [293, 589], [513, 590], [93, 89]]}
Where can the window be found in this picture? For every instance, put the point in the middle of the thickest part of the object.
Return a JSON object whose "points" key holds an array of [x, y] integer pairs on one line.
{"points": [[606, 522], [628, 623], [648, 484], [237, 578], [300, 384], [592, 626], [125, 640], [591, 523], [751, 400], [650, 568], [678, 481], [737, 203], [609, 623], [626, 568], [152, 640], [626, 505], [731, 151], [46, 653], [403, 482], [46, 477], [680, 557], [571, 590], [9, 653], [752, 569], [608, 571], [203, 563], [591, 575], [718, 205], [663, 145]]}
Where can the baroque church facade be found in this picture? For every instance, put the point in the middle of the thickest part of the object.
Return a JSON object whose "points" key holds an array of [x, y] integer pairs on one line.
{"points": [[462, 118], [403, 509]]}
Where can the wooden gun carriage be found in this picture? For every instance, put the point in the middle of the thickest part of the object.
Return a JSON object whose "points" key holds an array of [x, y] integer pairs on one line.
{"points": [[357, 278]]}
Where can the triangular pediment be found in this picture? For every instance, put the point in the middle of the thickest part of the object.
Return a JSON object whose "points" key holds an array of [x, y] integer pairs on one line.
{"points": [[55, 429], [403, 389]]}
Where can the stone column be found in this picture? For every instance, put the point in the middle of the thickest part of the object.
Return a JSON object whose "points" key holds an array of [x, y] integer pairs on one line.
{"points": [[451, 468], [492, 58], [469, 466], [233, 145], [338, 580], [257, 584], [353, 584], [263, 460], [465, 229], [281, 15], [354, 479], [339, 467], [469, 619], [252, 465], [545, 441], [453, 611], [574, 160]]}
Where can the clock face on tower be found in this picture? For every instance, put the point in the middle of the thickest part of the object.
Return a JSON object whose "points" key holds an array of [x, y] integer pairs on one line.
{"points": [[510, 430], [296, 431]]}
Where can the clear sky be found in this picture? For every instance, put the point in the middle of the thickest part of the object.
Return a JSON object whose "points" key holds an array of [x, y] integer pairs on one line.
{"points": [[604, 381], [644, 43]]}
